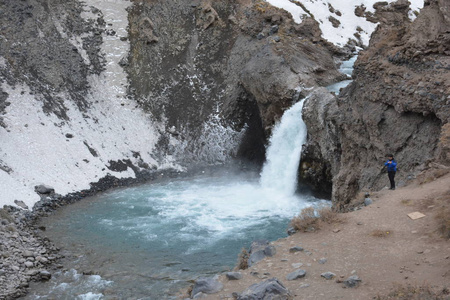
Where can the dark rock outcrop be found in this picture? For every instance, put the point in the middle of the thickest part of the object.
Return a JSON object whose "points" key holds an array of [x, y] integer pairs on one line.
{"points": [[222, 58], [398, 103]]}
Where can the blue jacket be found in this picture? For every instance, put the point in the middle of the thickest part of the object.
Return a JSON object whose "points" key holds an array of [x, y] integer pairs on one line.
{"points": [[391, 167]]}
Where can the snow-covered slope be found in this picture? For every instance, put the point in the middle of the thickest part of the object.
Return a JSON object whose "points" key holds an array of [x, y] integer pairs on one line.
{"points": [[341, 10], [40, 148]]}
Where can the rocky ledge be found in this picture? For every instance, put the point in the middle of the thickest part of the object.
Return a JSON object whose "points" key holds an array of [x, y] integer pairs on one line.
{"points": [[24, 256]]}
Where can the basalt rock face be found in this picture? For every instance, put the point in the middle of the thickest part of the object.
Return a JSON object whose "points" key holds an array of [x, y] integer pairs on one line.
{"points": [[398, 103], [242, 62]]}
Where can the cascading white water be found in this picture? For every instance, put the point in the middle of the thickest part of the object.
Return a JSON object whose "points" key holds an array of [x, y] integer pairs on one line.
{"points": [[283, 154], [347, 69], [164, 234]]}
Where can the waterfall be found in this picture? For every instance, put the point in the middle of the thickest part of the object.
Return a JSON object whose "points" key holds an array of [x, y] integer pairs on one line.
{"points": [[283, 154]]}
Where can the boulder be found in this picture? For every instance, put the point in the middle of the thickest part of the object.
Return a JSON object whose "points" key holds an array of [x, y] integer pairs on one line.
{"points": [[206, 285], [259, 250], [269, 289], [44, 189], [234, 275], [256, 257]]}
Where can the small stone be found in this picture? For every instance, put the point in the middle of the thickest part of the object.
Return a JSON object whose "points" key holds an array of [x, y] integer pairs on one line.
{"points": [[29, 264], [273, 29], [291, 231], [234, 275], [304, 285], [276, 38], [295, 249], [297, 265], [359, 223], [260, 36], [322, 261], [296, 274], [27, 253], [32, 272], [328, 275], [44, 260], [21, 204], [367, 201], [336, 230], [199, 296], [352, 281], [44, 275]]}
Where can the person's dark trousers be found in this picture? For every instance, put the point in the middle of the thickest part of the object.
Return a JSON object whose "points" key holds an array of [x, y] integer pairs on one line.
{"points": [[391, 175]]}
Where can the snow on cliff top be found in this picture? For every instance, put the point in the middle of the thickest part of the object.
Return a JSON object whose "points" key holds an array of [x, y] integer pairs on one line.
{"points": [[348, 20]]}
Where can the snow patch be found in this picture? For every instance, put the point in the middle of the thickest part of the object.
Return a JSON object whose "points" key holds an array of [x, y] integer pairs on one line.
{"points": [[349, 22]]}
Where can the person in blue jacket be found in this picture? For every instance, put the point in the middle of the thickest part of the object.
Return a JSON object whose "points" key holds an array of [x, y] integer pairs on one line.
{"points": [[391, 165]]}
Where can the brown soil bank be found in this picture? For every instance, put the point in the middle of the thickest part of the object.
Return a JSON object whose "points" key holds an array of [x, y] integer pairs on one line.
{"points": [[379, 243]]}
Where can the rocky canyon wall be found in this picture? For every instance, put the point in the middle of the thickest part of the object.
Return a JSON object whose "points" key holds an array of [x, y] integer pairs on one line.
{"points": [[116, 88], [398, 103], [235, 64]]}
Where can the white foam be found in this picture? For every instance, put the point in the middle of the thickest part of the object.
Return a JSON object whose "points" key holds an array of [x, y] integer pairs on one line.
{"points": [[73, 285], [90, 296], [345, 68]]}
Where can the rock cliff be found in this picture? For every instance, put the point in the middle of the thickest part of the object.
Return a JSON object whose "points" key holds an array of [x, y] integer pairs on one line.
{"points": [[398, 103], [240, 62]]}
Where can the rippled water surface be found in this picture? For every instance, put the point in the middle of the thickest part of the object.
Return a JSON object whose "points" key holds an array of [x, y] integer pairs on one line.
{"points": [[149, 241]]}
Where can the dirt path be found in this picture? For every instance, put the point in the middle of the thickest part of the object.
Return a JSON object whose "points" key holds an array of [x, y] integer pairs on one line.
{"points": [[379, 243]]}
